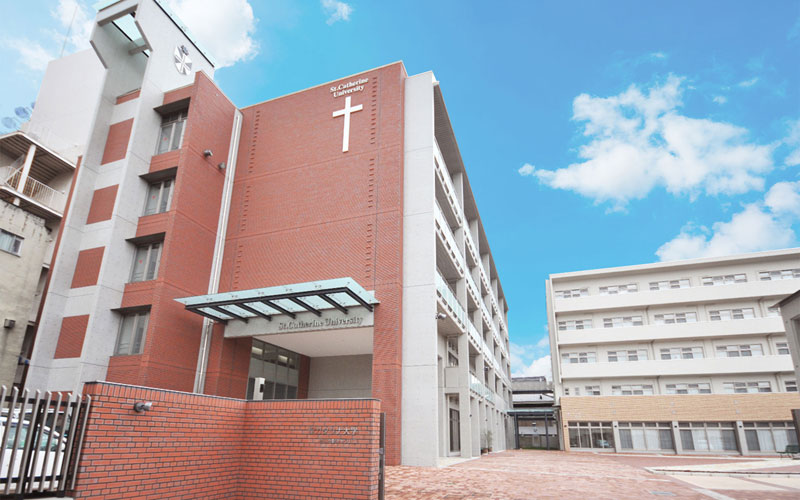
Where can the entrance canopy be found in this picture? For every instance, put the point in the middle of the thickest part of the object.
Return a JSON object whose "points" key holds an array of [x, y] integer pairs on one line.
{"points": [[314, 297]]}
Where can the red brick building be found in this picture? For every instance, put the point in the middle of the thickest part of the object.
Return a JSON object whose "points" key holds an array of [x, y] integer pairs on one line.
{"points": [[324, 244]]}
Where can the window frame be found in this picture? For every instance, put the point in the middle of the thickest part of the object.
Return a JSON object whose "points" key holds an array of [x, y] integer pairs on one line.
{"points": [[161, 190], [171, 120], [147, 261], [16, 243], [138, 317]]}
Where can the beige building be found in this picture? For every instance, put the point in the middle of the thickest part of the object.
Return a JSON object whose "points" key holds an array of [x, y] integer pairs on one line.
{"points": [[681, 357]]}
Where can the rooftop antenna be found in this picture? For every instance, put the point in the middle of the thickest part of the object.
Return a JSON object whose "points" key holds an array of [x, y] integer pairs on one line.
{"points": [[69, 30]]}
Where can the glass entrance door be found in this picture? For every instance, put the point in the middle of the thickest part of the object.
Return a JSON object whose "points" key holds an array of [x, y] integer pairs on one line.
{"points": [[455, 431]]}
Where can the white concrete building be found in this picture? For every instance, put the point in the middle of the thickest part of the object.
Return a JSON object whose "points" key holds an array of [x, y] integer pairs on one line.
{"points": [[655, 356]]}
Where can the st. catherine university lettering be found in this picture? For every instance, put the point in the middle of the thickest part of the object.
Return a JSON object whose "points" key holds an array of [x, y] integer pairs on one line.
{"points": [[349, 87], [321, 323]]}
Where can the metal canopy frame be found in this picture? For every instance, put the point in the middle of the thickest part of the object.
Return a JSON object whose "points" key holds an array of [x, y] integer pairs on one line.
{"points": [[313, 297]]}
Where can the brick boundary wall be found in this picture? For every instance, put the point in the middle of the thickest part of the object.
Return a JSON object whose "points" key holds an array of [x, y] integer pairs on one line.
{"points": [[198, 446]]}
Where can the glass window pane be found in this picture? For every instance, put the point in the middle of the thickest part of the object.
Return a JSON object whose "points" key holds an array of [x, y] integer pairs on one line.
{"points": [[151, 204], [625, 440], [164, 138], [125, 333], [177, 135], [152, 264], [139, 262], [141, 327]]}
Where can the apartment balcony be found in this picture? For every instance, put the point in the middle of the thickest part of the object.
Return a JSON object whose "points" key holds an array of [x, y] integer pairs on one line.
{"points": [[450, 305], [36, 193], [472, 250], [446, 244], [644, 333], [474, 336], [446, 190], [679, 367], [701, 294]]}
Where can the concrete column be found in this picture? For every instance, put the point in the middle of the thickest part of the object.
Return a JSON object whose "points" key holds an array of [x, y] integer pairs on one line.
{"points": [[26, 169], [463, 396], [475, 426], [742, 438], [615, 430], [676, 438]]}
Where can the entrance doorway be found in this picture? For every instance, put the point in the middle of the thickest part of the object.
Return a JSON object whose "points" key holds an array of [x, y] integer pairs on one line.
{"points": [[455, 431]]}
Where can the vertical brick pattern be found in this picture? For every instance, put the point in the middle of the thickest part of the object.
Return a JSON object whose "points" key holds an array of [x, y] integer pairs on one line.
{"points": [[302, 210], [102, 204], [194, 446], [70, 338], [117, 141], [88, 267], [169, 356]]}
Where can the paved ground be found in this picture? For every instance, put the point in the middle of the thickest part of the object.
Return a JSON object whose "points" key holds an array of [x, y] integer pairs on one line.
{"points": [[529, 474]]}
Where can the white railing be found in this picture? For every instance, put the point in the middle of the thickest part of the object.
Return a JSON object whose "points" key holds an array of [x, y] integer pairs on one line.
{"points": [[451, 301], [473, 289], [447, 182], [449, 239], [475, 384], [471, 248], [33, 189], [473, 334]]}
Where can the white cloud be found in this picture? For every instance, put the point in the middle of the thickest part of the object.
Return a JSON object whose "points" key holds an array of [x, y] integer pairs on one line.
{"points": [[226, 28], [75, 19], [720, 99], [526, 169], [748, 83], [336, 10], [32, 55], [759, 226], [638, 141], [536, 368]]}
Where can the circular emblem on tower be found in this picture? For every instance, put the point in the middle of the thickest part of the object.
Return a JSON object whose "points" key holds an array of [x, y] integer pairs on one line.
{"points": [[182, 61]]}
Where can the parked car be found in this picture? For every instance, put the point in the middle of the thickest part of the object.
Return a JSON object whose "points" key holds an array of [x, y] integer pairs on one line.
{"points": [[47, 455]]}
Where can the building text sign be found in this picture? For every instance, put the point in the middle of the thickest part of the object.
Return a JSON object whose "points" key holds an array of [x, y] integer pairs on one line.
{"points": [[349, 87], [330, 319]]}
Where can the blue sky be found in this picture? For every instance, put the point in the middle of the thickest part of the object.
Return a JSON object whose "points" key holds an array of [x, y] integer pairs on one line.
{"points": [[595, 134]]}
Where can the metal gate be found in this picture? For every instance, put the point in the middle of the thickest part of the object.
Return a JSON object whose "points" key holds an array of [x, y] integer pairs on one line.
{"points": [[42, 437], [382, 455]]}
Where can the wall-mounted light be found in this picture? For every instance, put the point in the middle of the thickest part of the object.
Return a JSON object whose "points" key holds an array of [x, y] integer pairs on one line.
{"points": [[9, 323], [441, 316], [208, 153], [142, 406], [221, 165]]}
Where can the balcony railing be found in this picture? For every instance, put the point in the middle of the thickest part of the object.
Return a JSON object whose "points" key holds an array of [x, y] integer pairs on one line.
{"points": [[447, 183], [34, 190], [451, 301], [449, 240]]}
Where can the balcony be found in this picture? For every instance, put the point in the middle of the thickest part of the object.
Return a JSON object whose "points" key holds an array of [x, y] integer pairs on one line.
{"points": [[702, 329], [450, 303], [447, 242], [36, 193], [679, 367], [446, 189]]}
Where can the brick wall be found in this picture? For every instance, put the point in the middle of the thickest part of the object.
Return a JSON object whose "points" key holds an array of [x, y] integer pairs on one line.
{"points": [[70, 338], [117, 141], [102, 204], [194, 446], [87, 268]]}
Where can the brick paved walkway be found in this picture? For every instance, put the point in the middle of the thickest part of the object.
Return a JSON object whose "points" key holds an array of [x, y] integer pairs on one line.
{"points": [[529, 474]]}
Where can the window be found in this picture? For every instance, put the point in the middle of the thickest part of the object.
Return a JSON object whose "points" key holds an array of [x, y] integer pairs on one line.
{"points": [[645, 436], [580, 324], [727, 279], [790, 385], [622, 321], [773, 311], [728, 314], [739, 351], [566, 391], [159, 195], [682, 353], [452, 351], [598, 435], [671, 284], [619, 289], [705, 436], [171, 136], [578, 357], [672, 318], [145, 262], [785, 274], [10, 242], [131, 334], [632, 390], [571, 294], [630, 355], [592, 390], [576, 391], [699, 388], [280, 369], [782, 347], [769, 436], [746, 387]]}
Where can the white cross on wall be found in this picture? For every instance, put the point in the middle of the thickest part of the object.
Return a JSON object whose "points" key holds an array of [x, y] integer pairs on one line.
{"points": [[346, 113]]}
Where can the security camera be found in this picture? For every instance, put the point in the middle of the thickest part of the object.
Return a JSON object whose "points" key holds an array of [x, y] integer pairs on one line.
{"points": [[441, 316], [142, 406], [207, 153]]}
